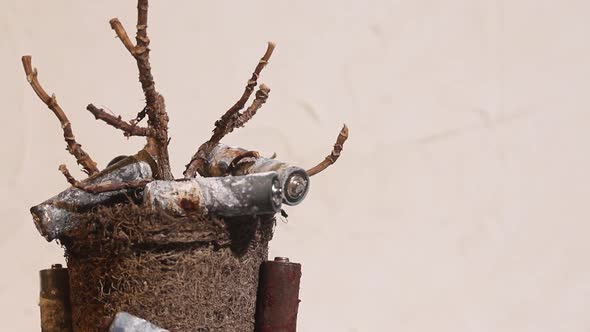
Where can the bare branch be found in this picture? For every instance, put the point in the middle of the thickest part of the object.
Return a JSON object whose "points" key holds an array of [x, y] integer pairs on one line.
{"points": [[71, 180], [261, 97], [142, 54], [72, 146], [116, 121], [122, 34], [157, 139], [231, 119], [252, 82], [334, 155]]}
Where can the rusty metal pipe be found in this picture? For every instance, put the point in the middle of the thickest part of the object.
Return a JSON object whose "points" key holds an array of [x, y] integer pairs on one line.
{"points": [[254, 194], [222, 161], [53, 217], [278, 296]]}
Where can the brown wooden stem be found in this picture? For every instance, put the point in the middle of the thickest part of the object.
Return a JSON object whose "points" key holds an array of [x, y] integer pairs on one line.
{"points": [[261, 97], [157, 139], [116, 121], [71, 180], [239, 105], [333, 156], [122, 34], [231, 119], [72, 146]]}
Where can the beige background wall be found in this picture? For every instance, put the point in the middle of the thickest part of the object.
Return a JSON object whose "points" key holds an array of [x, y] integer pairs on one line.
{"points": [[460, 202]]}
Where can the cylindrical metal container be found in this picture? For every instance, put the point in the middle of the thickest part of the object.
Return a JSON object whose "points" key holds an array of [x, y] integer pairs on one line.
{"points": [[53, 217], [254, 194], [294, 179], [225, 160], [54, 300], [278, 296]]}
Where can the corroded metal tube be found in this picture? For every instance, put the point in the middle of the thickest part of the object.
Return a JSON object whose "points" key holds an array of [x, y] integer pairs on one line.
{"points": [[54, 300], [278, 296], [237, 161], [254, 194], [54, 216]]}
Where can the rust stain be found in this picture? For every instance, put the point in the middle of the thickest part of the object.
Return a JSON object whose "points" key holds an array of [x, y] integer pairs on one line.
{"points": [[190, 204]]}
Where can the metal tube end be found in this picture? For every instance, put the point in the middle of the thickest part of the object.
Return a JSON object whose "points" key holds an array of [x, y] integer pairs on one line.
{"points": [[296, 187]]}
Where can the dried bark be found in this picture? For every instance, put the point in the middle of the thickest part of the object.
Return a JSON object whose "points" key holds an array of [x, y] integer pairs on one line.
{"points": [[72, 145], [333, 156]]}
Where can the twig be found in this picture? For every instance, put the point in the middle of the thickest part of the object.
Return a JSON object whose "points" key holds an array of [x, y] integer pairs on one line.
{"points": [[102, 187], [333, 156], [64, 170], [122, 34], [157, 141], [261, 97], [72, 146], [252, 82], [229, 121], [117, 122]]}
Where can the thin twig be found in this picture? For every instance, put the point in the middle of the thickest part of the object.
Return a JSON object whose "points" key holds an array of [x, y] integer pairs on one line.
{"points": [[228, 121], [239, 105], [71, 180], [116, 121], [72, 146], [333, 156], [261, 97], [122, 34]]}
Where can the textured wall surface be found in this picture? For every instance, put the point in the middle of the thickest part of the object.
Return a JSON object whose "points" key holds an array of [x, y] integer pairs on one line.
{"points": [[459, 204]]}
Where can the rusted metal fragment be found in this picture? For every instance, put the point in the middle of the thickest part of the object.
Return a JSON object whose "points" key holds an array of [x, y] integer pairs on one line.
{"points": [[54, 216], [54, 300], [278, 296], [225, 160], [254, 194], [126, 322]]}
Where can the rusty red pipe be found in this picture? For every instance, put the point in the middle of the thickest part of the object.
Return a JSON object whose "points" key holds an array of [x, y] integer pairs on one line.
{"points": [[278, 296]]}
